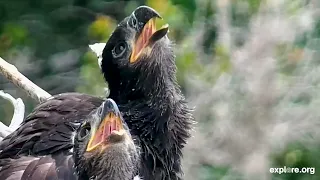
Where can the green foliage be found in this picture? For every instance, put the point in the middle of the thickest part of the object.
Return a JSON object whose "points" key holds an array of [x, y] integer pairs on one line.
{"points": [[91, 76], [101, 28]]}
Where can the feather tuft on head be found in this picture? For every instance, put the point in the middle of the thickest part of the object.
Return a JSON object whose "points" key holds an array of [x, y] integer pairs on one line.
{"points": [[97, 48]]}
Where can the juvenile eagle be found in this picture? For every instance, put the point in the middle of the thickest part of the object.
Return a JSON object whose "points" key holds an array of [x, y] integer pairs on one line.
{"points": [[103, 149]]}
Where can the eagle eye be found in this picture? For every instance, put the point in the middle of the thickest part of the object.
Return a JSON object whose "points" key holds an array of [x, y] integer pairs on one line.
{"points": [[119, 49], [134, 22], [84, 132]]}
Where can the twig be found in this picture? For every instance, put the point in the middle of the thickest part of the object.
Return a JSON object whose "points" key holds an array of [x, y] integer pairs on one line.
{"points": [[19, 109], [13, 75], [17, 118], [4, 131]]}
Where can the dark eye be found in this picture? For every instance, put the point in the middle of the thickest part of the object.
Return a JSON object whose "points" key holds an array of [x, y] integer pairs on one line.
{"points": [[134, 22], [99, 111], [84, 131], [119, 49]]}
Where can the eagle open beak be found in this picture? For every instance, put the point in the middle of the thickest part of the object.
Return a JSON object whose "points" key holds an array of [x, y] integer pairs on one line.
{"points": [[149, 34], [111, 124]]}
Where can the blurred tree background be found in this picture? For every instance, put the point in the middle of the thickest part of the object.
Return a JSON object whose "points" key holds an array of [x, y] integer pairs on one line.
{"points": [[47, 40]]}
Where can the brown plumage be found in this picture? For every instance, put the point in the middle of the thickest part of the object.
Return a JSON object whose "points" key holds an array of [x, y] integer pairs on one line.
{"points": [[38, 168], [48, 128]]}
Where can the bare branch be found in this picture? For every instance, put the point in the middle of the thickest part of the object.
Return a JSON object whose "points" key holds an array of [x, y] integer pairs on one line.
{"points": [[17, 118], [19, 109], [4, 131], [13, 75]]}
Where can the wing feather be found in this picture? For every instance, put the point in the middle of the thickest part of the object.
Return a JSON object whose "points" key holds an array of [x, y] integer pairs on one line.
{"points": [[49, 127], [49, 167], [30, 168]]}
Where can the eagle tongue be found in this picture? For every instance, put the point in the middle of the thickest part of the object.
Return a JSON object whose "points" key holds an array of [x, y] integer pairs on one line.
{"points": [[110, 127]]}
